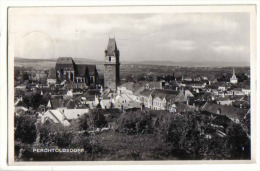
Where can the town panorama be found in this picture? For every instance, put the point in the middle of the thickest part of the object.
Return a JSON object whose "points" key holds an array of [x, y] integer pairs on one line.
{"points": [[117, 108]]}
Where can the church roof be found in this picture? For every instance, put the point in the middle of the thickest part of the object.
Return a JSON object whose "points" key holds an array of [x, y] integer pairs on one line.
{"points": [[111, 47], [82, 69], [91, 70], [65, 60]]}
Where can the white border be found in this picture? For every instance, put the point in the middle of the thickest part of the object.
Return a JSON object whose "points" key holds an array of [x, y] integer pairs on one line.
{"points": [[3, 89]]}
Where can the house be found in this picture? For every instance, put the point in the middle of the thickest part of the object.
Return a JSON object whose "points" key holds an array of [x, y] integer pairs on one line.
{"points": [[65, 103], [231, 112], [237, 92], [124, 101], [161, 99], [131, 89], [20, 110], [222, 87], [224, 101], [62, 116], [182, 107], [153, 85], [106, 103], [144, 97], [188, 94], [186, 79], [246, 91], [51, 81]]}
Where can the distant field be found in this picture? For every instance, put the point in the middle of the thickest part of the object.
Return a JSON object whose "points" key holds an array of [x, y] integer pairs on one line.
{"points": [[137, 69]]}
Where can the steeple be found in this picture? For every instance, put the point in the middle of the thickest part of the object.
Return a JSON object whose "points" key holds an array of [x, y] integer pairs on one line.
{"points": [[233, 79], [111, 47], [112, 65], [234, 75]]}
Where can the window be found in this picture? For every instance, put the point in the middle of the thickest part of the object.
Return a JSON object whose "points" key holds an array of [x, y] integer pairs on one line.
{"points": [[109, 58]]}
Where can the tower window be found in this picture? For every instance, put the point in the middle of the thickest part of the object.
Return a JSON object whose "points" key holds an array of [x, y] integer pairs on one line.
{"points": [[109, 58]]}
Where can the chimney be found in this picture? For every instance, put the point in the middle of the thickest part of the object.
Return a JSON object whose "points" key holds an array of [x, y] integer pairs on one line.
{"points": [[241, 105], [187, 102], [176, 88]]}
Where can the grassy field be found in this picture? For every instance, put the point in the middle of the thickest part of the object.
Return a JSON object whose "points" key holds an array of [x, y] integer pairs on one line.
{"points": [[115, 147]]}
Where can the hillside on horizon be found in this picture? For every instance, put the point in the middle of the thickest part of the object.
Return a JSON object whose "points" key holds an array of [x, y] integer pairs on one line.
{"points": [[20, 61]]}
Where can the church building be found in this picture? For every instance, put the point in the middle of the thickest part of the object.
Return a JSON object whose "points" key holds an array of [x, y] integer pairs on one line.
{"points": [[75, 74], [233, 79], [112, 65]]}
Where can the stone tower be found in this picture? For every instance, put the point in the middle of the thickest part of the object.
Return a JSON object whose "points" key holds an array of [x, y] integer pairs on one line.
{"points": [[112, 65]]}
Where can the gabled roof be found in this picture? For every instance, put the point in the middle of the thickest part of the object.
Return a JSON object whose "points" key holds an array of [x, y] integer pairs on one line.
{"points": [[138, 90], [81, 70], [167, 94], [59, 103], [91, 70], [230, 111], [111, 47], [146, 93], [134, 87], [74, 113], [65, 60], [86, 69], [184, 106]]}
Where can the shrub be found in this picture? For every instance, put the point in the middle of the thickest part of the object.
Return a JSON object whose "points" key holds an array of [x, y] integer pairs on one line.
{"points": [[135, 122], [25, 129]]}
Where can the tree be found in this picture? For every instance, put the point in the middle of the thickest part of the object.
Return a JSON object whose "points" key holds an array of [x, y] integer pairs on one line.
{"points": [[56, 134], [140, 78], [241, 77], [98, 119], [238, 142], [25, 129], [83, 122], [46, 97], [129, 78], [93, 119], [37, 100], [135, 122], [26, 76]]}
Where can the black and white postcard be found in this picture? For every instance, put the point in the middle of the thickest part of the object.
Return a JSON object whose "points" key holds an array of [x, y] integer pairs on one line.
{"points": [[131, 84]]}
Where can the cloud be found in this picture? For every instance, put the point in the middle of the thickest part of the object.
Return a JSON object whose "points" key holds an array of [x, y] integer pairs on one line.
{"points": [[172, 36]]}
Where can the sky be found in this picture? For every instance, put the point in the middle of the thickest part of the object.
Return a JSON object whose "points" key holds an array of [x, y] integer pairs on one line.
{"points": [[214, 37]]}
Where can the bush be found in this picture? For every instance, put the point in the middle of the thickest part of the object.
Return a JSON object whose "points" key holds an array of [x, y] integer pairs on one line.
{"points": [[93, 119], [25, 129], [56, 135], [135, 122]]}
